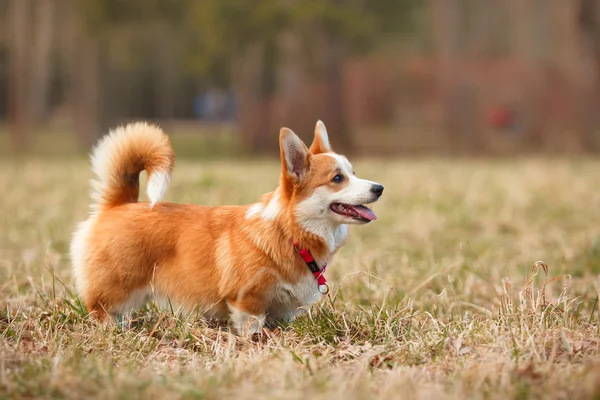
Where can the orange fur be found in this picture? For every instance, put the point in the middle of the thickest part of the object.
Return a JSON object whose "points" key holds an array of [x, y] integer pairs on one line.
{"points": [[218, 260], [126, 152]]}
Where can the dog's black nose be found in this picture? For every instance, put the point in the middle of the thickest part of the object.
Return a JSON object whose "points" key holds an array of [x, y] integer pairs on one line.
{"points": [[377, 189]]}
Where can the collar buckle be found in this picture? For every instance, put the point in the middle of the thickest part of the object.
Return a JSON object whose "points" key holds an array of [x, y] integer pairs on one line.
{"points": [[324, 288]]}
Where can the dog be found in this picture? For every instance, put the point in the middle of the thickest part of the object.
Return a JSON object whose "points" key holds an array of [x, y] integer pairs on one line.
{"points": [[247, 264]]}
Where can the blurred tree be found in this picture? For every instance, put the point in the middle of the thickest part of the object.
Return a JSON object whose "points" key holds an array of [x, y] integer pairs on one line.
{"points": [[323, 33], [588, 24], [85, 36], [18, 88], [445, 21], [41, 59], [265, 50], [95, 28], [239, 37], [528, 21], [331, 32]]}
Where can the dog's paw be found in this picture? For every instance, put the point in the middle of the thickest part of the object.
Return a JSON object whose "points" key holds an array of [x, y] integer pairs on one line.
{"points": [[265, 335]]}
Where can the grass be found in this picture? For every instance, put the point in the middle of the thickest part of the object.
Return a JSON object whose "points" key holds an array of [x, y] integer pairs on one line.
{"points": [[442, 297]]}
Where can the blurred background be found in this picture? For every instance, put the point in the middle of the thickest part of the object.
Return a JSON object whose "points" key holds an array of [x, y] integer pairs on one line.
{"points": [[387, 77]]}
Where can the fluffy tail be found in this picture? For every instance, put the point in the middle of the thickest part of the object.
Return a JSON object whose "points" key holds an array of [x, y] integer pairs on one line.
{"points": [[120, 156]]}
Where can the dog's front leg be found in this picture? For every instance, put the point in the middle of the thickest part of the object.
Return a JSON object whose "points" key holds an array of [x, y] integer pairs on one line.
{"points": [[247, 316]]}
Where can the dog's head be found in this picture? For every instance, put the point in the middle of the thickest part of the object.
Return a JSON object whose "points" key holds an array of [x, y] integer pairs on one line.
{"points": [[321, 185]]}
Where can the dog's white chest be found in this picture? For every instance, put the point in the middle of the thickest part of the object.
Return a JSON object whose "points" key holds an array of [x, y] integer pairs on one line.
{"points": [[288, 298]]}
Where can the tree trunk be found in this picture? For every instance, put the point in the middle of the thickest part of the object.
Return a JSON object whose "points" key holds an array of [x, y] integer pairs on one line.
{"points": [[528, 21], [167, 71], [84, 83], [588, 83], [18, 102], [42, 62], [480, 37], [334, 115], [292, 110], [445, 15], [253, 108]]}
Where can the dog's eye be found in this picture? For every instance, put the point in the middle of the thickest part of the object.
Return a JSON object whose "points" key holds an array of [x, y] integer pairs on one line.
{"points": [[338, 178]]}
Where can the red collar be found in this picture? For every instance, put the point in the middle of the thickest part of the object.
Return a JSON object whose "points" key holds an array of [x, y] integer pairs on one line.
{"points": [[317, 272]]}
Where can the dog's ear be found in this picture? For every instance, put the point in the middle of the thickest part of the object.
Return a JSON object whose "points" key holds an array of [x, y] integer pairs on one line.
{"points": [[295, 156], [320, 143]]}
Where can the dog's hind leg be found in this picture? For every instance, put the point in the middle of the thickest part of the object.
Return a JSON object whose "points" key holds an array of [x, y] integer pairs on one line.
{"points": [[116, 304]]}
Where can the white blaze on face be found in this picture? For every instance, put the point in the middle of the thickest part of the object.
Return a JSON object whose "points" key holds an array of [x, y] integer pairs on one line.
{"points": [[358, 191], [314, 214]]}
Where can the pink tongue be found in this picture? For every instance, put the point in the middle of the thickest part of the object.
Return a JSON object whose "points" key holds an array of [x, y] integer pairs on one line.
{"points": [[364, 212]]}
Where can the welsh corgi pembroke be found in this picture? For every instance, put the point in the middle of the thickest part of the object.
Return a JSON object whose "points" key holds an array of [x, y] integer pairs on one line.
{"points": [[245, 264]]}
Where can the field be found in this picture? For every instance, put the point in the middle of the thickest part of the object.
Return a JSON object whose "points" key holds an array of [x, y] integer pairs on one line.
{"points": [[442, 297]]}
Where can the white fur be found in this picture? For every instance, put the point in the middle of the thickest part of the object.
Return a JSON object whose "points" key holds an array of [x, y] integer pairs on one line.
{"points": [[331, 231], [272, 209], [102, 161], [157, 186], [268, 212], [342, 162], [313, 214], [245, 323], [254, 210], [79, 254], [287, 299], [339, 236], [137, 299], [358, 191]]}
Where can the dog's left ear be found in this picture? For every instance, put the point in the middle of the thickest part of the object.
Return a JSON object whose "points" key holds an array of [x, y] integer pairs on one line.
{"points": [[295, 156], [321, 142]]}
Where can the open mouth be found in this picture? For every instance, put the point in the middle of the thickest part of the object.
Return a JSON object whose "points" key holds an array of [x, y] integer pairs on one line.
{"points": [[358, 212]]}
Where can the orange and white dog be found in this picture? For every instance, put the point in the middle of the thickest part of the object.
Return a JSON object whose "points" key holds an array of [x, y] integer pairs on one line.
{"points": [[249, 263]]}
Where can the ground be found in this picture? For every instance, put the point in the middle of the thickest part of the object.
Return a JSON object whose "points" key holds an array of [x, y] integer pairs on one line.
{"points": [[479, 279]]}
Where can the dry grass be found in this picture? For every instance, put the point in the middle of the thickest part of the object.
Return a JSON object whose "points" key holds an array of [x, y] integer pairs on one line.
{"points": [[437, 299]]}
